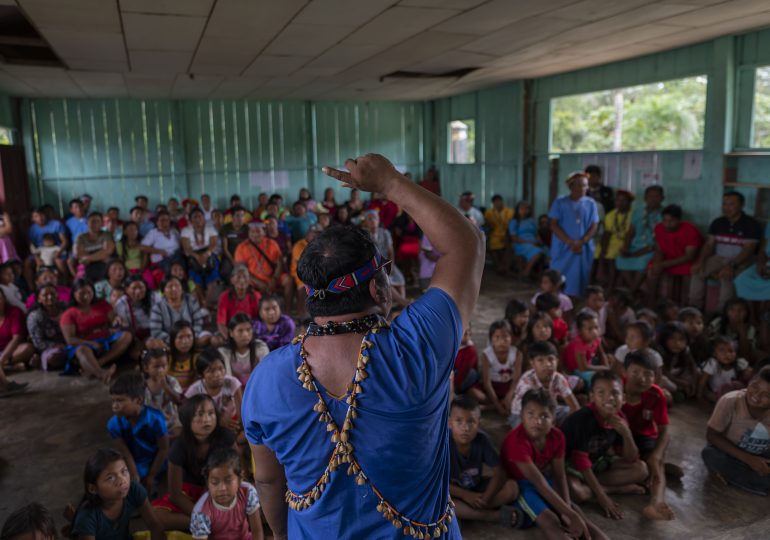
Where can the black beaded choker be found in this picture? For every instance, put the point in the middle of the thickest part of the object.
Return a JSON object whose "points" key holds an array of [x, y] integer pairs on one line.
{"points": [[356, 326]]}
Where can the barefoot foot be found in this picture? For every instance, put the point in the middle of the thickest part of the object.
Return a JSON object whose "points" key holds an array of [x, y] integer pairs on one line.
{"points": [[107, 374], [659, 512]]}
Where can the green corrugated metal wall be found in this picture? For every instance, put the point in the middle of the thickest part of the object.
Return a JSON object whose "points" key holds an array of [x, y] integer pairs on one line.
{"points": [[115, 149]]}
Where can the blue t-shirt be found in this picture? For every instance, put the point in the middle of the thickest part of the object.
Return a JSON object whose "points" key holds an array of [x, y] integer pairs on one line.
{"points": [[36, 232], [93, 522], [76, 226], [400, 438], [141, 438]]}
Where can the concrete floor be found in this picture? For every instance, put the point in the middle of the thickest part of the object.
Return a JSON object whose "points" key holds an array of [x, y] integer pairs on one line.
{"points": [[46, 434]]}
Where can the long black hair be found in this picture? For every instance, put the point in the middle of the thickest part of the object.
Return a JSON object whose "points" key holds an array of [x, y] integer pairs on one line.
{"points": [[146, 303], [242, 318], [79, 284], [188, 439], [177, 327], [94, 467]]}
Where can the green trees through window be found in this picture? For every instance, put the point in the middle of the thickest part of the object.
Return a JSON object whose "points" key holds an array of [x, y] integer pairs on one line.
{"points": [[667, 115], [761, 120]]}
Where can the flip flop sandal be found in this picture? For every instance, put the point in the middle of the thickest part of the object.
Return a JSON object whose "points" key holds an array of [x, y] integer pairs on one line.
{"points": [[510, 517]]}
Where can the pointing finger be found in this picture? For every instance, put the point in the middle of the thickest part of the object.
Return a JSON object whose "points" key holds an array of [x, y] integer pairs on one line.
{"points": [[342, 176]]}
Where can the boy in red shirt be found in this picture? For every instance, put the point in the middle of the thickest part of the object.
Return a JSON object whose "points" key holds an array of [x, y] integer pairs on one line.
{"points": [[647, 414], [533, 454]]}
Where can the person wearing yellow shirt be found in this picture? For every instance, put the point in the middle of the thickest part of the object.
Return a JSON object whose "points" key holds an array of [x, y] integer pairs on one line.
{"points": [[296, 252], [497, 218]]}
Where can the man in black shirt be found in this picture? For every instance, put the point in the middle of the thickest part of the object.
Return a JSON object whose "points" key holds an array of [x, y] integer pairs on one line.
{"points": [[730, 246], [602, 194]]}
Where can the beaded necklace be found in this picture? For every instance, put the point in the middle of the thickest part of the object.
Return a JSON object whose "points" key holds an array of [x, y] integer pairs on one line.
{"points": [[343, 453]]}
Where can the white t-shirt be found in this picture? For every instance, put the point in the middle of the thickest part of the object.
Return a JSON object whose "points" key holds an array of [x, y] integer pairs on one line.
{"points": [[198, 242], [168, 242], [719, 376], [499, 372], [622, 351]]}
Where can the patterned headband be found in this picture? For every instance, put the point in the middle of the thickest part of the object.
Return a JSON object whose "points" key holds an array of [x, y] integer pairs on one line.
{"points": [[349, 281]]}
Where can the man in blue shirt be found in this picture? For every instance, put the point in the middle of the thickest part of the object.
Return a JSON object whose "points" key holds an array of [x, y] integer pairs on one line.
{"points": [[377, 463]]}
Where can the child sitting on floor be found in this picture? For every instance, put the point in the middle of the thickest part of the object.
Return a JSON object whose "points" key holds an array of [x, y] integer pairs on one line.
{"points": [[181, 341], [549, 303], [639, 337], [680, 373], [552, 282], [243, 350], [138, 431], [275, 329], [46, 254], [692, 319], [592, 433], [500, 367], [544, 359], [162, 391], [539, 329], [476, 497], [619, 315], [533, 455], [110, 500], [230, 507], [517, 315], [734, 323], [30, 522], [584, 356], [225, 390], [596, 306], [11, 291], [723, 372], [738, 450], [649, 316], [647, 414], [466, 369]]}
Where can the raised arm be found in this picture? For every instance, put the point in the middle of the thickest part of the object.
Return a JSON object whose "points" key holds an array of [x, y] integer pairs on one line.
{"points": [[458, 271]]}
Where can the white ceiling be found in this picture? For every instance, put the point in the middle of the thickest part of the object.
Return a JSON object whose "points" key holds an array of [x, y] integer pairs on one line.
{"points": [[339, 49]]}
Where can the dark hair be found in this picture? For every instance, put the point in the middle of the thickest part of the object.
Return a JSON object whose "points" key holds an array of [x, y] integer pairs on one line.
{"points": [[673, 210], [500, 324], [94, 467], [555, 277], [670, 329], [722, 340], [640, 358], [582, 318], [136, 208], [129, 384], [540, 396], [146, 303], [644, 328], [80, 284], [144, 197], [235, 209], [31, 518], [268, 298], [688, 313], [497, 197], [547, 301], [75, 201], [148, 354], [542, 348], [334, 253], [186, 415], [197, 210], [466, 403], [235, 320], [533, 320], [737, 194], [124, 238], [208, 356], [95, 214], [724, 320], [222, 456], [121, 263], [656, 187], [593, 289], [663, 305], [513, 308], [648, 312], [622, 294], [593, 169], [169, 278], [605, 375], [176, 328], [763, 373]]}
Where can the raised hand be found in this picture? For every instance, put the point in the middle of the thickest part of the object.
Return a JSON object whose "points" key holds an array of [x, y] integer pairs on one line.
{"points": [[372, 173]]}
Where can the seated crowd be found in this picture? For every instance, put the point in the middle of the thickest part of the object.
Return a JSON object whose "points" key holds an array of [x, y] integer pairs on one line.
{"points": [[195, 297]]}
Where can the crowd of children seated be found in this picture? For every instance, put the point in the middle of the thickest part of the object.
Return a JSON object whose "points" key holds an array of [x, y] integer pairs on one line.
{"points": [[173, 308]]}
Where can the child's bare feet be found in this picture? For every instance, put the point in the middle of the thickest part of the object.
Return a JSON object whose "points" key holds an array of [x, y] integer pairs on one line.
{"points": [[719, 478], [628, 489], [659, 512], [107, 374]]}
